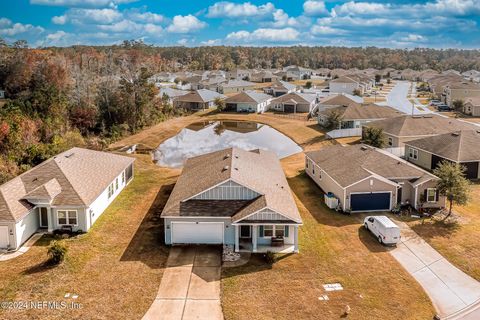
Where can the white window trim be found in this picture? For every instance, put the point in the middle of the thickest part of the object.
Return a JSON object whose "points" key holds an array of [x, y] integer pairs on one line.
{"points": [[413, 153], [434, 195], [273, 230], [67, 218], [390, 141]]}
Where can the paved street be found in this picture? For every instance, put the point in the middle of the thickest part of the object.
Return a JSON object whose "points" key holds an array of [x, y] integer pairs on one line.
{"points": [[450, 290], [190, 287], [398, 99]]}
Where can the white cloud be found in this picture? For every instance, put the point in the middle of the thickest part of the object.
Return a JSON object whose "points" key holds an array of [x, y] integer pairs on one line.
{"points": [[186, 24], [81, 3], [326, 30], [8, 28], [314, 8], [413, 38], [236, 10], [265, 34], [455, 7], [211, 42], [281, 19], [182, 42], [153, 28], [139, 16], [59, 19], [361, 8]]}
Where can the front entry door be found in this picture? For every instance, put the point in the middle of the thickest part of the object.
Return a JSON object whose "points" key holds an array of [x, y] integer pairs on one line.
{"points": [[245, 232], [43, 218]]}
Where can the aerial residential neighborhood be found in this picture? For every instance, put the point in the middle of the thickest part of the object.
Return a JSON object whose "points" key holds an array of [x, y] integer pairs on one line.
{"points": [[240, 160]]}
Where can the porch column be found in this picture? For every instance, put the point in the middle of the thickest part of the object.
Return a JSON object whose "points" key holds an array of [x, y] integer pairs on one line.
{"points": [[295, 239], [254, 238], [50, 219], [237, 244]]}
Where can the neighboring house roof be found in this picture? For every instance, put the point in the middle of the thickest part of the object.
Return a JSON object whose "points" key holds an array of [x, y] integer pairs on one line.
{"points": [[249, 97], [475, 101], [343, 79], [420, 125], [355, 111], [282, 85], [73, 178], [467, 85], [461, 146], [258, 170], [202, 95], [350, 164], [296, 97], [338, 100], [172, 93], [237, 83]]}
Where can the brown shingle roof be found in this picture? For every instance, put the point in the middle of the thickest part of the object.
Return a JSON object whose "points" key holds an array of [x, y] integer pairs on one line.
{"points": [[81, 175], [408, 126], [460, 146], [337, 100], [258, 170], [356, 111], [350, 164]]}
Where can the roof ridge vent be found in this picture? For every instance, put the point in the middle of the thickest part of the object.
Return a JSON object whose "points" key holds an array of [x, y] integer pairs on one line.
{"points": [[364, 148], [456, 134], [226, 156], [70, 155], [225, 168]]}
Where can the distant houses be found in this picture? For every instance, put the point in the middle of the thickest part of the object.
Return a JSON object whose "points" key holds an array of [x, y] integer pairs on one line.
{"points": [[279, 88], [234, 86]]}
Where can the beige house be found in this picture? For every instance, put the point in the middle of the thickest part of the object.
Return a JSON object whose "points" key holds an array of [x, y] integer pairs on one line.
{"points": [[461, 91], [197, 100], [235, 86], [294, 102], [406, 128], [364, 179], [233, 197], [471, 106], [461, 147]]}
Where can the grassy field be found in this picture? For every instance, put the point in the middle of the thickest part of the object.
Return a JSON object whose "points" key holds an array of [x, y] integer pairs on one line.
{"points": [[115, 268], [457, 239]]}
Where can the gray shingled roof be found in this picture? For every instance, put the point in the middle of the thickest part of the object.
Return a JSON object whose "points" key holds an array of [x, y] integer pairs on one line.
{"points": [[350, 164], [355, 111], [421, 125], [296, 97], [237, 83], [202, 95], [249, 97], [80, 175], [258, 170], [459, 146]]}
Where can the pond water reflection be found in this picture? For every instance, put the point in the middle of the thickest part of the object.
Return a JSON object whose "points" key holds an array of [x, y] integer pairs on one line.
{"points": [[207, 136]]}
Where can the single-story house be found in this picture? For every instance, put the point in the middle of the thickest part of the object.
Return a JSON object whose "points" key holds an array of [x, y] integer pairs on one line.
{"points": [[198, 100], [344, 84], [461, 147], [460, 90], [248, 101], [233, 86], [399, 130], [71, 189], [212, 82], [171, 93], [471, 106], [234, 197], [263, 76], [354, 115], [279, 88], [364, 178], [240, 74], [294, 102]]}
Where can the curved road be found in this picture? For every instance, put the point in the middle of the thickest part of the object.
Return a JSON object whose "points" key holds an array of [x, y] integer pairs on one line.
{"points": [[398, 99]]}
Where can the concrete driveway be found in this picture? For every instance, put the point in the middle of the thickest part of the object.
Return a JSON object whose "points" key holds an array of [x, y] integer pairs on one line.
{"points": [[190, 287], [452, 292]]}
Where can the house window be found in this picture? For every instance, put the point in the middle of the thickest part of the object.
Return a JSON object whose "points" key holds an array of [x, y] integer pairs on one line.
{"points": [[390, 141], [123, 177], [116, 184], [279, 231], [313, 170], [110, 191], [268, 231], [431, 195], [306, 163], [68, 217], [413, 153]]}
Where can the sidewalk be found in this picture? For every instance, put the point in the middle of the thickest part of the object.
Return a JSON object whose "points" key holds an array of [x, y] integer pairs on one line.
{"points": [[450, 290], [26, 246]]}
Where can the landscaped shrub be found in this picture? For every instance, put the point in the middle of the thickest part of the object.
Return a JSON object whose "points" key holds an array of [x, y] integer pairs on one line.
{"points": [[56, 252], [269, 257]]}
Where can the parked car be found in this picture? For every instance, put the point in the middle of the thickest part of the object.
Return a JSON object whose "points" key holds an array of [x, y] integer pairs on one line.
{"points": [[386, 231], [443, 107], [435, 102]]}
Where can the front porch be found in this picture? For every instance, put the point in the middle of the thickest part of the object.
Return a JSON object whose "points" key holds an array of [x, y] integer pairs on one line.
{"points": [[279, 238]]}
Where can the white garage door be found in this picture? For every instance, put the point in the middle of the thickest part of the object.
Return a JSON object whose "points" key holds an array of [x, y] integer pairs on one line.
{"points": [[201, 232], [3, 237]]}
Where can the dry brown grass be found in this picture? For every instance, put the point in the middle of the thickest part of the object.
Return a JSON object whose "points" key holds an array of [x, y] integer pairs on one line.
{"points": [[115, 268], [457, 239]]}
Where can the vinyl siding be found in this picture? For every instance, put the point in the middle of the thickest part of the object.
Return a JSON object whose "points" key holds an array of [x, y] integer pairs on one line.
{"points": [[424, 158], [26, 227], [228, 191]]}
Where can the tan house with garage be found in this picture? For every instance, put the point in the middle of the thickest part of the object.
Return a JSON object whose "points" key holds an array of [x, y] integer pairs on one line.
{"points": [[461, 147], [399, 130], [471, 106], [294, 102], [364, 179], [233, 197]]}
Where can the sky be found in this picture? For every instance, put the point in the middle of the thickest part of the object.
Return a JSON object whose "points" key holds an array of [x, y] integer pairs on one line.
{"points": [[389, 24]]}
